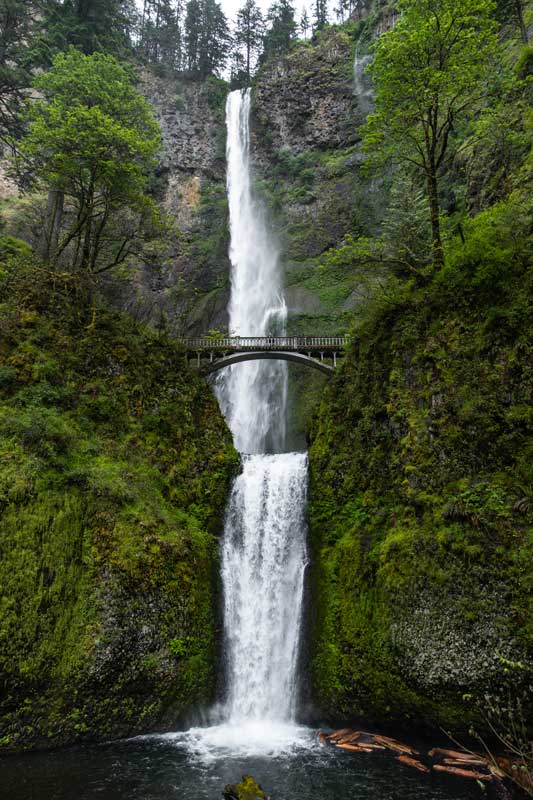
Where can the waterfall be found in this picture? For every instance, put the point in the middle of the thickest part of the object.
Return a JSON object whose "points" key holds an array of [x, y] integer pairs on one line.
{"points": [[263, 571], [362, 84], [253, 395], [263, 549]]}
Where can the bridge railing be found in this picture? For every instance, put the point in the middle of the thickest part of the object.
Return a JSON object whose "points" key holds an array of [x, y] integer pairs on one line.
{"points": [[266, 343]]}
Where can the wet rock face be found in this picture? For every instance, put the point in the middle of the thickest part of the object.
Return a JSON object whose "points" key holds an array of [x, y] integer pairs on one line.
{"points": [[181, 282], [191, 121], [306, 100]]}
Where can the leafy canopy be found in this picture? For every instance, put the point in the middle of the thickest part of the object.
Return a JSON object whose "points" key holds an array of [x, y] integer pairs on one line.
{"points": [[429, 73], [93, 138]]}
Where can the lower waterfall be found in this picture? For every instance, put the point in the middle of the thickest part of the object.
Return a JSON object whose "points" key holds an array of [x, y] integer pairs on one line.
{"points": [[263, 562]]}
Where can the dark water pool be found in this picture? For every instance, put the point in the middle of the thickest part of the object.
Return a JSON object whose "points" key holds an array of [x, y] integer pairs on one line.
{"points": [[168, 768]]}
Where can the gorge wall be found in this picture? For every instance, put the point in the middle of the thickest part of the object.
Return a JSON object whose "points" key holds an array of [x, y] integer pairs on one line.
{"points": [[420, 508], [116, 464]]}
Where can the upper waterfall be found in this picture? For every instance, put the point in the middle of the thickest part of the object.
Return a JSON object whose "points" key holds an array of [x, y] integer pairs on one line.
{"points": [[253, 396]]}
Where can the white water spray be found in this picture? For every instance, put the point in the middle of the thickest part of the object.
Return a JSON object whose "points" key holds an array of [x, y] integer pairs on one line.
{"points": [[263, 552], [263, 549], [263, 572]]}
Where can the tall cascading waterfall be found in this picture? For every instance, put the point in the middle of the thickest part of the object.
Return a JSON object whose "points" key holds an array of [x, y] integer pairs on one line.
{"points": [[253, 395], [264, 550]]}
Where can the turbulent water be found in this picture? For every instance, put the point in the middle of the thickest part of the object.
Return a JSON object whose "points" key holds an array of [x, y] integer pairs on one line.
{"points": [[263, 570]]}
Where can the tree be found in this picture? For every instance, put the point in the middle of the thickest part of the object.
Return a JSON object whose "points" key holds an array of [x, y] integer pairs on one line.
{"points": [[321, 15], [161, 34], [429, 74], [89, 25], [91, 141], [305, 23], [207, 37], [513, 11], [248, 35], [281, 31], [16, 26]]}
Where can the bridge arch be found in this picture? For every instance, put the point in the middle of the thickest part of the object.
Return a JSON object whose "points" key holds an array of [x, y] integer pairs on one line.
{"points": [[297, 358]]}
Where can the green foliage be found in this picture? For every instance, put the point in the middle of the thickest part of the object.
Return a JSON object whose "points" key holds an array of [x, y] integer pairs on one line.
{"points": [[428, 73], [91, 139], [93, 25], [115, 465], [420, 484], [207, 38]]}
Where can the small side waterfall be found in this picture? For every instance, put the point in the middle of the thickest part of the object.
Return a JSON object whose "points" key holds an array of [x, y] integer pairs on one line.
{"points": [[362, 84]]}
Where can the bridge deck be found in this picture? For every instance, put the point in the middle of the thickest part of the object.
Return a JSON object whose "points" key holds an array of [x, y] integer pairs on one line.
{"points": [[298, 344]]}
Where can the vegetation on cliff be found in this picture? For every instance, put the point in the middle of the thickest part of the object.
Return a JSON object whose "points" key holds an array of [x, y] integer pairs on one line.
{"points": [[115, 468], [421, 452]]}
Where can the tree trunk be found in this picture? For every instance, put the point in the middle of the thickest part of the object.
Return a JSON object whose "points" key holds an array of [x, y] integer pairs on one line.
{"points": [[434, 208], [520, 15], [54, 218]]}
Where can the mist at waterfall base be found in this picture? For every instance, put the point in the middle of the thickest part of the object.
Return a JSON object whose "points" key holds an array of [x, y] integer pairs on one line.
{"points": [[254, 729]]}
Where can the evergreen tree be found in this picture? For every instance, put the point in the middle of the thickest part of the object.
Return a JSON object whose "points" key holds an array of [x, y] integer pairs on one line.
{"points": [[513, 11], [321, 15], [281, 30], [16, 27], [207, 37], [248, 36], [305, 23], [192, 33], [215, 40], [161, 36], [89, 25]]}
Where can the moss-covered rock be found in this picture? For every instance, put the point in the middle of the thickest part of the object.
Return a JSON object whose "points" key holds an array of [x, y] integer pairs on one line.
{"points": [[421, 485], [247, 789], [114, 471]]}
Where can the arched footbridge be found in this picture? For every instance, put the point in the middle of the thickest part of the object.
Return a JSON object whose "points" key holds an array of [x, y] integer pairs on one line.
{"points": [[212, 354]]}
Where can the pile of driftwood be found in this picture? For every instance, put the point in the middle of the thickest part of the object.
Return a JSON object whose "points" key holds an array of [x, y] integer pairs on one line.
{"points": [[453, 762]]}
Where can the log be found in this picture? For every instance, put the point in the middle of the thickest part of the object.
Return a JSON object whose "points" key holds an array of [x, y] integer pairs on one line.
{"points": [[464, 773], [372, 746], [337, 734], [463, 762], [412, 762], [439, 751], [394, 745], [349, 737], [322, 738], [359, 748]]}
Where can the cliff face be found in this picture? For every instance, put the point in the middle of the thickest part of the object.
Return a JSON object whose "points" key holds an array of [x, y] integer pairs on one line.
{"points": [[420, 513], [115, 466], [307, 111], [184, 285]]}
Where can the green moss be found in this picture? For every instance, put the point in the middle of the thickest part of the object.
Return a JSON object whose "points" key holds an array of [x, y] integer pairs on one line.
{"points": [[115, 466], [420, 514]]}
